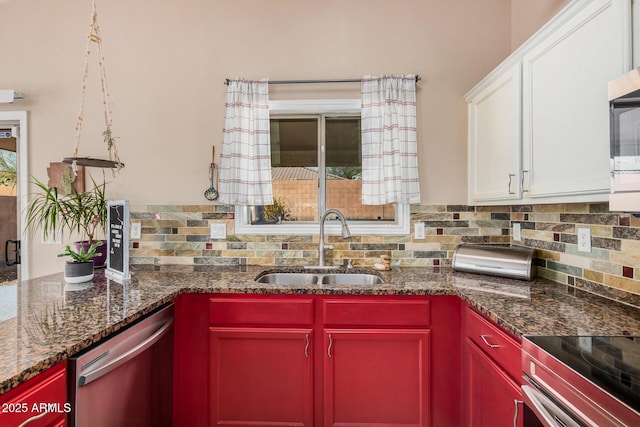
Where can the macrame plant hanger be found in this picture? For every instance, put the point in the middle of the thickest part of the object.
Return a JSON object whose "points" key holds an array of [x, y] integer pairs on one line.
{"points": [[114, 159]]}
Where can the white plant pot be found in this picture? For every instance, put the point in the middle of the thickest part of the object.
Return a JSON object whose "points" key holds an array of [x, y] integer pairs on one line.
{"points": [[78, 272]]}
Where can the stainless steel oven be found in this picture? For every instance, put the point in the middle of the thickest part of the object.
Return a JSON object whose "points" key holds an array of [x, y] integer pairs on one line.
{"points": [[581, 381]]}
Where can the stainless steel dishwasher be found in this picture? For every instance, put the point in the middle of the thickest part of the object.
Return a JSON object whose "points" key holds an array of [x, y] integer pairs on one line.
{"points": [[126, 380]]}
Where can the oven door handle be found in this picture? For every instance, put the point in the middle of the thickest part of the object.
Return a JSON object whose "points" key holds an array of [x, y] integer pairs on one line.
{"points": [[534, 400], [125, 357]]}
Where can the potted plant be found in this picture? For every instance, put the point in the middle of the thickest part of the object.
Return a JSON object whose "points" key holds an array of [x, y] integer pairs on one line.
{"points": [[80, 268], [82, 213]]}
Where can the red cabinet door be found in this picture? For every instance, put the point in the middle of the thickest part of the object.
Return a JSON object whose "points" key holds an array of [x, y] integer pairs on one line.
{"points": [[260, 376], [492, 398], [191, 361], [376, 377], [42, 398]]}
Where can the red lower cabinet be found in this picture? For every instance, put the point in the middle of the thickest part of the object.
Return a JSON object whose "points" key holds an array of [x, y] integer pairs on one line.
{"points": [[42, 399], [261, 360], [191, 361], [491, 395], [376, 377], [260, 377], [315, 360]]}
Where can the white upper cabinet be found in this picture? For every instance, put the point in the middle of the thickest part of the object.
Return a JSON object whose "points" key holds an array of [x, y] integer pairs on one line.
{"points": [[566, 110], [494, 135], [559, 127]]}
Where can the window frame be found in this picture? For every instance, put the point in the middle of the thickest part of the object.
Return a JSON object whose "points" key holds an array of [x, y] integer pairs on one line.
{"points": [[324, 107]]}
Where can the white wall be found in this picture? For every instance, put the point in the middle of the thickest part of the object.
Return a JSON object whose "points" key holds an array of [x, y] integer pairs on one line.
{"points": [[167, 60]]}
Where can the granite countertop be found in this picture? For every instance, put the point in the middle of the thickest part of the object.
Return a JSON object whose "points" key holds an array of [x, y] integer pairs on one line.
{"points": [[43, 321]]}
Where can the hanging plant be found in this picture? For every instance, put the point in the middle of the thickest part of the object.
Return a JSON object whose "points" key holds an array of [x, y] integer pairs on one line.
{"points": [[110, 141]]}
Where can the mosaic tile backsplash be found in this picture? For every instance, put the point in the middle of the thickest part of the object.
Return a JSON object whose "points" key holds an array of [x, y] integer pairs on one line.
{"points": [[177, 234]]}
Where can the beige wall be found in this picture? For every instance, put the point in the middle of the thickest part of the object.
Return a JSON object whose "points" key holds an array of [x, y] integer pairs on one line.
{"points": [[166, 62], [528, 16]]}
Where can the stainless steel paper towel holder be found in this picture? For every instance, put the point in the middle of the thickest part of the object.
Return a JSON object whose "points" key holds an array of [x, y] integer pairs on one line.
{"points": [[504, 261]]}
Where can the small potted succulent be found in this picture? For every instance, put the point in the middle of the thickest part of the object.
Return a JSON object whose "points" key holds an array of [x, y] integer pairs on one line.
{"points": [[80, 268]]}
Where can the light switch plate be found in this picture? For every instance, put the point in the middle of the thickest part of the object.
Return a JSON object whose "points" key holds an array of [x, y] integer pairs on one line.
{"points": [[418, 230], [517, 232], [218, 231]]}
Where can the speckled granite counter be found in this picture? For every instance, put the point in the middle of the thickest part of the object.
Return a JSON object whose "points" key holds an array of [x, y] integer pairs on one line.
{"points": [[44, 321]]}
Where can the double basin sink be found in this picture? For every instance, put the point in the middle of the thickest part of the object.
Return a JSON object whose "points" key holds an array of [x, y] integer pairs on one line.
{"points": [[328, 278]]}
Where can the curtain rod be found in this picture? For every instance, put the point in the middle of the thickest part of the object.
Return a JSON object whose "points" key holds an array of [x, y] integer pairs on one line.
{"points": [[286, 82]]}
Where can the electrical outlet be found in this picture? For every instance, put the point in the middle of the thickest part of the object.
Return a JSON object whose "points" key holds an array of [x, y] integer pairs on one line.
{"points": [[584, 239], [218, 231], [418, 230], [585, 343], [517, 232], [136, 230]]}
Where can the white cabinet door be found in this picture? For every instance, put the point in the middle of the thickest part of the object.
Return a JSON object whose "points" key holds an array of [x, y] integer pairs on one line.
{"points": [[565, 109], [494, 139]]}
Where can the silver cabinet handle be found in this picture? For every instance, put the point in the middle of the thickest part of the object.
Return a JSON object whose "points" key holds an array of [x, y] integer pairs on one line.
{"points": [[516, 412], [330, 345], [511, 176], [306, 347], [484, 338], [522, 181], [32, 419]]}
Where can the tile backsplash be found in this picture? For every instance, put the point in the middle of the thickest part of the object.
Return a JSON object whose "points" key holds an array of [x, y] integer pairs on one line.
{"points": [[610, 269], [175, 234]]}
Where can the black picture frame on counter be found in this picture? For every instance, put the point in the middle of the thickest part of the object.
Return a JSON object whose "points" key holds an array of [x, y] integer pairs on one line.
{"points": [[118, 240]]}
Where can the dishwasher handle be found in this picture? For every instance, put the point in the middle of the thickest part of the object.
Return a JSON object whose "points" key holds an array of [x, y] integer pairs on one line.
{"points": [[125, 357]]}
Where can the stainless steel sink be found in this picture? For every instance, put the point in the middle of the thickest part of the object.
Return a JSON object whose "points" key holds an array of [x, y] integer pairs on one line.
{"points": [[291, 278], [351, 279]]}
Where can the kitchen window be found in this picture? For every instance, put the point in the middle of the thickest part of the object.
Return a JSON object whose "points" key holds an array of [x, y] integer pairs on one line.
{"points": [[316, 160]]}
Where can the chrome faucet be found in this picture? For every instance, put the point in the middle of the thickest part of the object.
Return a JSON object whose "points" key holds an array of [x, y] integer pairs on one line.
{"points": [[345, 233]]}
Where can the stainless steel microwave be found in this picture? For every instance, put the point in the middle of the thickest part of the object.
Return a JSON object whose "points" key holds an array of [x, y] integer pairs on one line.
{"points": [[624, 108]]}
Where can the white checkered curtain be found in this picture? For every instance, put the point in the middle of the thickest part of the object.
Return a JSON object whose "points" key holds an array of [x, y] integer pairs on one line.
{"points": [[389, 140], [245, 163]]}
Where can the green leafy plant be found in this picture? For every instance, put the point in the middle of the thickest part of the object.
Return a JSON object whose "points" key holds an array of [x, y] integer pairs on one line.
{"points": [[279, 207], [80, 255], [349, 172], [8, 168], [84, 213]]}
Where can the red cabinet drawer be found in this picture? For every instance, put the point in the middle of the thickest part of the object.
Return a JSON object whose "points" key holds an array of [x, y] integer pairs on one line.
{"points": [[261, 311], [362, 312], [497, 344], [46, 392]]}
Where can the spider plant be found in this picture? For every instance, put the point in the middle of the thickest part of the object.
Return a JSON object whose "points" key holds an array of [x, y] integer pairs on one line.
{"points": [[83, 213]]}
